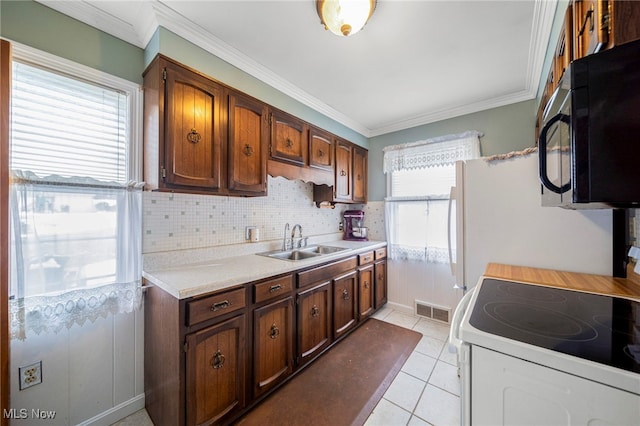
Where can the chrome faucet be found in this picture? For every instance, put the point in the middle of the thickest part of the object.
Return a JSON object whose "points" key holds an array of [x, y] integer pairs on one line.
{"points": [[285, 243], [301, 239]]}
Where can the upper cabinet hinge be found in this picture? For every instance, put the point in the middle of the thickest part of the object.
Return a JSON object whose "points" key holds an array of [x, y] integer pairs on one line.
{"points": [[164, 74], [186, 346], [163, 172], [270, 119]]}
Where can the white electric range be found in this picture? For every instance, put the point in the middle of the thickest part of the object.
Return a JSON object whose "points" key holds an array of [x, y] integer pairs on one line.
{"points": [[532, 355]]}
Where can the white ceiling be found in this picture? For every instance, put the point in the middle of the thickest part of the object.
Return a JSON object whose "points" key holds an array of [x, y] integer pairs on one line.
{"points": [[415, 62]]}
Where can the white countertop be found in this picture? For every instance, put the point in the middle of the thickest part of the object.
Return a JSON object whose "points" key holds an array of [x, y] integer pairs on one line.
{"points": [[195, 279]]}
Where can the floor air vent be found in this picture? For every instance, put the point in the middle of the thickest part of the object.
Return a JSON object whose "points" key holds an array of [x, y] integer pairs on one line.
{"points": [[434, 312]]}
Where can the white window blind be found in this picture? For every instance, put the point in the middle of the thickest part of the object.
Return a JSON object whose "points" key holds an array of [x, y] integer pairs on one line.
{"points": [[76, 210], [67, 127]]}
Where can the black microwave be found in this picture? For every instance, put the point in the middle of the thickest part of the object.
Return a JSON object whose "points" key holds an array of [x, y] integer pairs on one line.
{"points": [[589, 145]]}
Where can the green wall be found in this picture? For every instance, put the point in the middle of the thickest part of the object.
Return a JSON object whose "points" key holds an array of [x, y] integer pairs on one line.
{"points": [[507, 128], [38, 26]]}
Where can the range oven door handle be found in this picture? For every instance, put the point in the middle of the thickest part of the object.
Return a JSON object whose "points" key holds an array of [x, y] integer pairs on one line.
{"points": [[455, 343], [542, 154]]}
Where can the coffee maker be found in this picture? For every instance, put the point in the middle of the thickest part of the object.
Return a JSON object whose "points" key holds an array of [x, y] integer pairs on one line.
{"points": [[353, 226]]}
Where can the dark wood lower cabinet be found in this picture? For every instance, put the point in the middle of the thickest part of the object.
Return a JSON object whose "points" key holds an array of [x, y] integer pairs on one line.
{"points": [[365, 293], [272, 345], [314, 321], [345, 303], [210, 358], [380, 272], [215, 372]]}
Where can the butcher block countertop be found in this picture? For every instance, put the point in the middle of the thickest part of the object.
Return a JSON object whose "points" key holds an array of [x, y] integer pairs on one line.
{"points": [[626, 287]]}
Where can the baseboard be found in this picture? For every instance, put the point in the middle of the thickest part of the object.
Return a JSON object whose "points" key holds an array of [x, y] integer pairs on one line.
{"points": [[404, 309], [116, 413]]}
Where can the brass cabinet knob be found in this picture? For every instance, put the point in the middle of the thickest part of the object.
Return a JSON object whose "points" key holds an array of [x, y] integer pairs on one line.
{"points": [[274, 332], [218, 360]]}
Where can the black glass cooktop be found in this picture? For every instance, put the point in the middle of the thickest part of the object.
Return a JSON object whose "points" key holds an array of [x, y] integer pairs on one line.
{"points": [[604, 329]]}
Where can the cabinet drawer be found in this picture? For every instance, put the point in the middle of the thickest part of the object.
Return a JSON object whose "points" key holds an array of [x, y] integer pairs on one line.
{"points": [[273, 288], [326, 272], [215, 306], [365, 258], [381, 253]]}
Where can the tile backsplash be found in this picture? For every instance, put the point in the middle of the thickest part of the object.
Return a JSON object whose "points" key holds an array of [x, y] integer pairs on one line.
{"points": [[173, 221]]}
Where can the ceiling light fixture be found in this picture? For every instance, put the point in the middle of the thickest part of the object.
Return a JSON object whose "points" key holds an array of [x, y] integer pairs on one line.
{"points": [[345, 17]]}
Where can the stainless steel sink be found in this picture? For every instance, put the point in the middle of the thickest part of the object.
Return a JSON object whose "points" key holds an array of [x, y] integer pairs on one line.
{"points": [[293, 255], [323, 249], [303, 253]]}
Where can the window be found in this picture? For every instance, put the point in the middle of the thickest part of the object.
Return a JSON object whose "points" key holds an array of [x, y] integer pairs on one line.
{"points": [[418, 207], [75, 206]]}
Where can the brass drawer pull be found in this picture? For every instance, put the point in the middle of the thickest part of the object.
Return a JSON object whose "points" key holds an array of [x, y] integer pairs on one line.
{"points": [[315, 312], [274, 331], [220, 305], [275, 288], [218, 360]]}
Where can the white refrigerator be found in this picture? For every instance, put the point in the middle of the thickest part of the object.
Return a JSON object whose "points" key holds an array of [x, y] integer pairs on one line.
{"points": [[499, 219]]}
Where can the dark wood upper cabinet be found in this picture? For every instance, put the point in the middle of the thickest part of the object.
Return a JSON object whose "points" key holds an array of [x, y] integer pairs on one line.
{"points": [[320, 149], [193, 130], [289, 139], [248, 140], [350, 175], [603, 24], [360, 158], [590, 26], [343, 171]]}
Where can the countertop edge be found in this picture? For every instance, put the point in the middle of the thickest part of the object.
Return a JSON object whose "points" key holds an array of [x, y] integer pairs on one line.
{"points": [[168, 279]]}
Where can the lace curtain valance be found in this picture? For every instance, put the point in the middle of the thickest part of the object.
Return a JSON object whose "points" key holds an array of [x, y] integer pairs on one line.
{"points": [[432, 152]]}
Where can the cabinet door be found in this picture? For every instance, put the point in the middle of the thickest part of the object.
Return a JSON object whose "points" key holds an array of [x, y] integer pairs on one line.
{"points": [[320, 149], [215, 372], [366, 289], [248, 138], [193, 134], [359, 175], [345, 303], [564, 48], [343, 171], [314, 321], [590, 28], [272, 345], [380, 272], [289, 139]]}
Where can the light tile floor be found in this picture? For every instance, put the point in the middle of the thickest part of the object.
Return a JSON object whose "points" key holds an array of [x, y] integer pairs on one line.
{"points": [[425, 392]]}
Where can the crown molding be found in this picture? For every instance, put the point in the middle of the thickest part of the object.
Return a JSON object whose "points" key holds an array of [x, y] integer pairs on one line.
{"points": [[446, 114]]}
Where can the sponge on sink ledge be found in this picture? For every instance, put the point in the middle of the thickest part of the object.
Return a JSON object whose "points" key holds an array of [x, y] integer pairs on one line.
{"points": [[634, 252]]}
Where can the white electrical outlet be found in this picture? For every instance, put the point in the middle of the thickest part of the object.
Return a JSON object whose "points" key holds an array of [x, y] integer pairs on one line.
{"points": [[30, 375]]}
